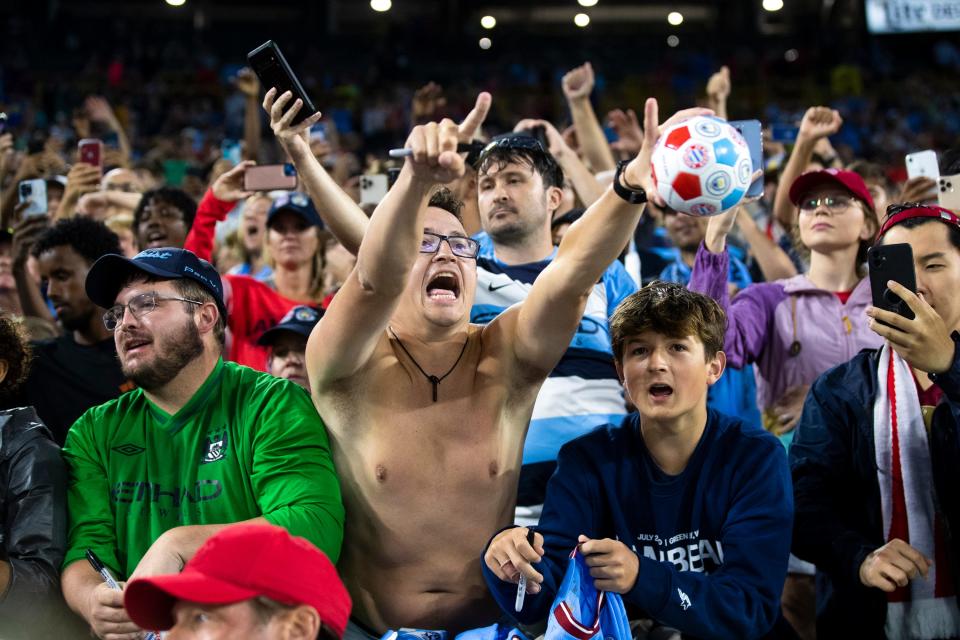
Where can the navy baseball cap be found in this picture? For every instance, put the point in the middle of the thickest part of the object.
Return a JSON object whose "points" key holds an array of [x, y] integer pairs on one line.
{"points": [[109, 273], [298, 203], [300, 320]]}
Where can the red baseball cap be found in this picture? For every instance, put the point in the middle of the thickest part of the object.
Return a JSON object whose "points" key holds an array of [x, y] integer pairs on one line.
{"points": [[847, 180], [238, 563]]}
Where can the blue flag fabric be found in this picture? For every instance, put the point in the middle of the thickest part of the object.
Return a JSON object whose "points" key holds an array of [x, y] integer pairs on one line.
{"points": [[580, 612]]}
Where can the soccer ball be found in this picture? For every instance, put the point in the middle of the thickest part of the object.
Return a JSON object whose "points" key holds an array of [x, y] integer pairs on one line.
{"points": [[702, 166]]}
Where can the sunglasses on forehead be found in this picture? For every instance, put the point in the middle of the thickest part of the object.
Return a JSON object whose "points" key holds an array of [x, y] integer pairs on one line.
{"points": [[509, 142]]}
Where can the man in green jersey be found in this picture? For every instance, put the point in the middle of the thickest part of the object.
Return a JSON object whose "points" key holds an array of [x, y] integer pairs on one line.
{"points": [[202, 443]]}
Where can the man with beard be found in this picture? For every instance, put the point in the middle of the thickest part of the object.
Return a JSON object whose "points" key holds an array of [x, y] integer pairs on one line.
{"points": [[79, 369], [202, 442]]}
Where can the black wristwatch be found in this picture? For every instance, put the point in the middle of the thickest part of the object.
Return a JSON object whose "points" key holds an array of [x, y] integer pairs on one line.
{"points": [[633, 195]]}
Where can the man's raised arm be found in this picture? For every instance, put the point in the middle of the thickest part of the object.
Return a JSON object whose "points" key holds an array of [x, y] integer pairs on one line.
{"points": [[549, 316], [345, 339]]}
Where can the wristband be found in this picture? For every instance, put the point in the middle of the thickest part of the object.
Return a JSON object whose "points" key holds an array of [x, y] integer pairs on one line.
{"points": [[633, 195]]}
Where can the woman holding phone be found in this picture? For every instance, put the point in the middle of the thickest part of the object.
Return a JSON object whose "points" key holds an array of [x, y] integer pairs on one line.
{"points": [[292, 250]]}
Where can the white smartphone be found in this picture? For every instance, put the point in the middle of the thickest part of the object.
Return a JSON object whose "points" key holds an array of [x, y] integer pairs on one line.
{"points": [[948, 194], [923, 163], [34, 192], [373, 188], [752, 132]]}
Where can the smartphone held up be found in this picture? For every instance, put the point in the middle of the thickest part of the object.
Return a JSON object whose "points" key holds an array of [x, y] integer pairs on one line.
{"points": [[270, 177], [271, 67]]}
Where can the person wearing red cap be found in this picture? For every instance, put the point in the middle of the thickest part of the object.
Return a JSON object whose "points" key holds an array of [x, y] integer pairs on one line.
{"points": [[876, 457], [285, 588], [796, 328]]}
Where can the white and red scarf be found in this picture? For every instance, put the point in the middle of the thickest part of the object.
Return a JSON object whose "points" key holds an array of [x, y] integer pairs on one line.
{"points": [[925, 609]]}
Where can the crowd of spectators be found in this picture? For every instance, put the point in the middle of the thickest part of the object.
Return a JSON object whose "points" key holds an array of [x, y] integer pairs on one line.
{"points": [[211, 392]]}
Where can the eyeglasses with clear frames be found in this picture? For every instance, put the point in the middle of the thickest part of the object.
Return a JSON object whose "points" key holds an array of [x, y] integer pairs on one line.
{"points": [[461, 246], [139, 306], [835, 204]]}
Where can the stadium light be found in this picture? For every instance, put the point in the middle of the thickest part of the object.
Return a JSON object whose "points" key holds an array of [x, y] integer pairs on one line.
{"points": [[675, 18], [485, 43], [773, 5], [380, 5], [673, 41], [587, 3], [792, 55], [488, 22], [176, 3], [581, 19]]}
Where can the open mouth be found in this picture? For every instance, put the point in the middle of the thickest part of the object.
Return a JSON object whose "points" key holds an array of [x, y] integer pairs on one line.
{"points": [[135, 343], [443, 286], [661, 390], [156, 239]]}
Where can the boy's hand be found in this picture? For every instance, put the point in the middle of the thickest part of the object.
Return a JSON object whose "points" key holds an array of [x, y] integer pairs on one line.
{"points": [[613, 565], [511, 554]]}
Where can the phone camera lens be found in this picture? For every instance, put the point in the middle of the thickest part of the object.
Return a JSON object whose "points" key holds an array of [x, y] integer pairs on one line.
{"points": [[26, 189]]}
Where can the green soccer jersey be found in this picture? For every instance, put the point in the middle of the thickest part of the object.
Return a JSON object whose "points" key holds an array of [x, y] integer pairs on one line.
{"points": [[246, 445]]}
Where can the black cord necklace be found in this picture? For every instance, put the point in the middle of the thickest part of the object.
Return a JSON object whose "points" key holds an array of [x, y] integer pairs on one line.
{"points": [[434, 380]]}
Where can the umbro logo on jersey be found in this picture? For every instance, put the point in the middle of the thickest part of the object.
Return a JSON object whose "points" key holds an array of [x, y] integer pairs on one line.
{"points": [[490, 286], [129, 449], [216, 447]]}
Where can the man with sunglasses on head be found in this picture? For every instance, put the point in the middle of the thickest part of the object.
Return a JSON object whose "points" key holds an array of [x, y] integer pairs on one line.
{"points": [[427, 411], [520, 187], [200, 444]]}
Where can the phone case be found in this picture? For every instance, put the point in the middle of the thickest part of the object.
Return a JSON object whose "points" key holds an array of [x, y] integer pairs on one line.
{"points": [[270, 177], [34, 192], [891, 262], [271, 67], [91, 151], [752, 132], [948, 194], [923, 163], [373, 188]]}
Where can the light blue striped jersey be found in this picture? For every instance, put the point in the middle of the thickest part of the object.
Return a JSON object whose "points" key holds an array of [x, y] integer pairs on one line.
{"points": [[583, 391]]}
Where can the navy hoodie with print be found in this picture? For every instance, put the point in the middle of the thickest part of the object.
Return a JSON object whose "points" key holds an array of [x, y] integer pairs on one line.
{"points": [[713, 541]]}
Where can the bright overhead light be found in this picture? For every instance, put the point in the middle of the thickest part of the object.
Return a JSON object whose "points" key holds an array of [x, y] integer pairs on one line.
{"points": [[673, 41], [675, 18], [587, 3], [581, 19], [176, 3], [773, 5], [380, 5], [485, 43], [488, 22]]}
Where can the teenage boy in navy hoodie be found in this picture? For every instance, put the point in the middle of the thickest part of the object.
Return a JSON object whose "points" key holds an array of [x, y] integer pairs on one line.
{"points": [[685, 512]]}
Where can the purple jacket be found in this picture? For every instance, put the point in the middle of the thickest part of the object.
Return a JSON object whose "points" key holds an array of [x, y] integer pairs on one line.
{"points": [[760, 325]]}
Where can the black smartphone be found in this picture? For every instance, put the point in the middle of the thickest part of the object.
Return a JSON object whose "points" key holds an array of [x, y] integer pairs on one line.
{"points": [[891, 262], [272, 69]]}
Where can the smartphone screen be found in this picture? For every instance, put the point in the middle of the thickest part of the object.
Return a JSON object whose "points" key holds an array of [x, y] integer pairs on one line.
{"points": [[752, 132], [271, 67]]}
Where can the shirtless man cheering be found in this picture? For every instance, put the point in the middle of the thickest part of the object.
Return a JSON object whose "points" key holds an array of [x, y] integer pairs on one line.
{"points": [[427, 412]]}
